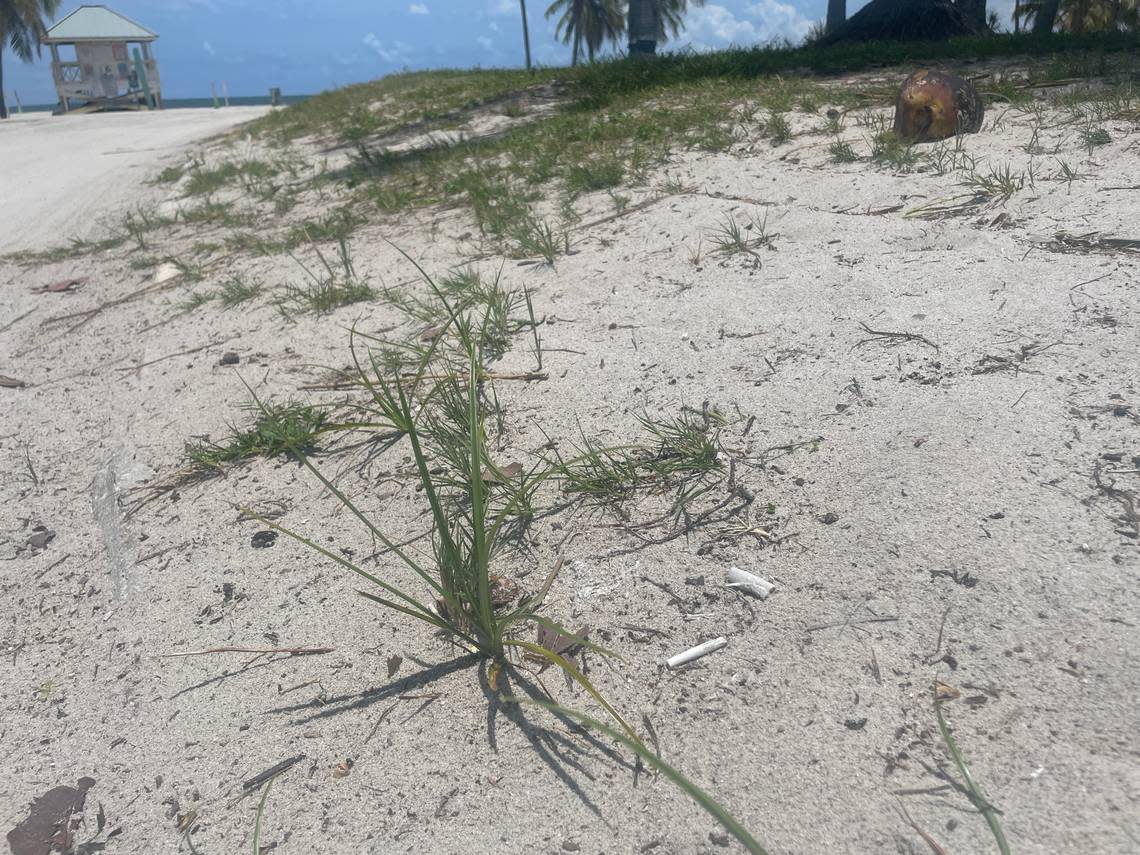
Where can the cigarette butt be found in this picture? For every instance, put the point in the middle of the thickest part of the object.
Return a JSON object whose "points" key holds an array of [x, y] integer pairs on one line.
{"points": [[697, 652], [749, 583]]}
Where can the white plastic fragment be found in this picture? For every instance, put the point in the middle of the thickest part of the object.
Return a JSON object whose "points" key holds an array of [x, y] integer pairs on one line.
{"points": [[165, 272], [697, 652], [750, 583]]}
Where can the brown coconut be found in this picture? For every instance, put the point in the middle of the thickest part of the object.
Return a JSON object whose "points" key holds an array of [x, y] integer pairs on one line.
{"points": [[933, 105]]}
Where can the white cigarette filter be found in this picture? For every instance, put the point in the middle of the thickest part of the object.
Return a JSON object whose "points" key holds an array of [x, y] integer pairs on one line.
{"points": [[697, 652], [749, 583]]}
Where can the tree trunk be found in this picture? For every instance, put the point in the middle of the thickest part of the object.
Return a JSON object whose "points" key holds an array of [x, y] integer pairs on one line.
{"points": [[1080, 16], [1046, 16], [526, 33], [975, 10], [836, 14], [643, 25], [3, 106], [577, 49]]}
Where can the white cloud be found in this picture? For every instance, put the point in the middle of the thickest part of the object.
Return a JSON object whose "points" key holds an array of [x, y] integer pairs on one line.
{"points": [[499, 8], [715, 26], [780, 20], [209, 48], [418, 9], [493, 27], [395, 53], [484, 42]]}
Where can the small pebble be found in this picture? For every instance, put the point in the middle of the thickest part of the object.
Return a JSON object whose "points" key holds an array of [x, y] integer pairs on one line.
{"points": [[230, 358]]}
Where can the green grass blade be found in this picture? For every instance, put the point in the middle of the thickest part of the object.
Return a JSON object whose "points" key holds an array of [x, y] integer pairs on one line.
{"points": [[580, 678], [257, 820], [479, 544], [692, 790], [976, 796], [348, 503], [420, 610]]}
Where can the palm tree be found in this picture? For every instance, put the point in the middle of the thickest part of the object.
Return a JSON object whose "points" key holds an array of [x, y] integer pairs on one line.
{"points": [[526, 33], [667, 19], [671, 16], [592, 22], [836, 14], [1079, 16], [21, 29]]}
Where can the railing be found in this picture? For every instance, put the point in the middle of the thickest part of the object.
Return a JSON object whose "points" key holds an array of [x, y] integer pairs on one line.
{"points": [[69, 72]]}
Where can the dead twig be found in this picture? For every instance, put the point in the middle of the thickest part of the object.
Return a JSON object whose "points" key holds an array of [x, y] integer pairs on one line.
{"points": [[1126, 500], [206, 346], [272, 772], [991, 363], [934, 845], [891, 337], [261, 651], [343, 385]]}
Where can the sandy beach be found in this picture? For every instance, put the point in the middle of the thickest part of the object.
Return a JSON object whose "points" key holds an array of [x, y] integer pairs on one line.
{"points": [[67, 177], [926, 413]]}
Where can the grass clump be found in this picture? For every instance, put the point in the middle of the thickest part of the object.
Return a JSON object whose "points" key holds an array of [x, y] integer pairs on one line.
{"points": [[237, 290], [435, 396], [889, 149], [679, 454], [777, 128], [537, 238], [599, 174], [327, 289], [731, 238], [204, 182], [170, 175], [999, 184], [275, 429], [1092, 137], [841, 152]]}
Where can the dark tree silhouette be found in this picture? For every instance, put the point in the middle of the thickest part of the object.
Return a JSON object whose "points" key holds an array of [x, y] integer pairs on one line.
{"points": [[21, 29]]}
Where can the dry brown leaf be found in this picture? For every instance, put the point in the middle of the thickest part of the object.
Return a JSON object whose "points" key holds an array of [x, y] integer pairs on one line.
{"points": [[945, 692]]}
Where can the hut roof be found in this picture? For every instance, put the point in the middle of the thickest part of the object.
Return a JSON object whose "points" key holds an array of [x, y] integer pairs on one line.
{"points": [[97, 23]]}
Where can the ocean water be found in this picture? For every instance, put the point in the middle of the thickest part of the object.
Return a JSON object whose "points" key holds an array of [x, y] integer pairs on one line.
{"points": [[184, 103]]}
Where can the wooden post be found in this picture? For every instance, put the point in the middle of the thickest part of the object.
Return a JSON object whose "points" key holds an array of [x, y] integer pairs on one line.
{"points": [[225, 93], [140, 70], [214, 94], [19, 106]]}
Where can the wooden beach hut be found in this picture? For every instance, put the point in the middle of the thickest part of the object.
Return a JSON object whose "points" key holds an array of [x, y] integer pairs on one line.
{"points": [[102, 60]]}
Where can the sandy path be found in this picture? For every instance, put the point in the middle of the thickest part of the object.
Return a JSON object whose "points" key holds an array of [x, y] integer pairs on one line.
{"points": [[63, 175]]}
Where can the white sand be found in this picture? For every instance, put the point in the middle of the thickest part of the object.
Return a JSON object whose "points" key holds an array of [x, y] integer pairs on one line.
{"points": [[63, 176], [947, 525]]}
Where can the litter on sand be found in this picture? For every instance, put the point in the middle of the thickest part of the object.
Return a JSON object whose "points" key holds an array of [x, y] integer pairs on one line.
{"points": [[750, 583], [697, 652]]}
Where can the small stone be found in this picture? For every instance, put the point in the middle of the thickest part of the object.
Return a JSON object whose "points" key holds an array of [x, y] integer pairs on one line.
{"points": [[829, 518], [229, 358], [570, 846], [719, 838], [40, 537], [263, 539]]}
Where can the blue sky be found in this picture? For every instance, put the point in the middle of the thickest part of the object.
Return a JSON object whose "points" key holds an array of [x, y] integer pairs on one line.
{"points": [[305, 47]]}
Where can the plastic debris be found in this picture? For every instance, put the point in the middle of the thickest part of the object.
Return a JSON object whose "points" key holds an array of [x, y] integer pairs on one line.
{"points": [[750, 583], [697, 652]]}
